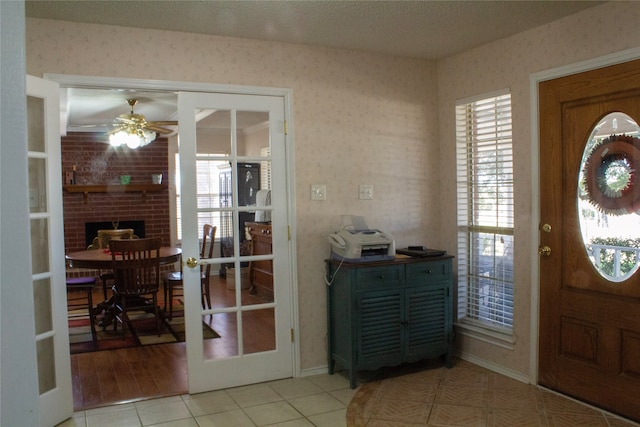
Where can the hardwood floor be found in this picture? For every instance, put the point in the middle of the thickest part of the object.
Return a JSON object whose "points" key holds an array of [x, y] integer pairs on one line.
{"points": [[125, 375]]}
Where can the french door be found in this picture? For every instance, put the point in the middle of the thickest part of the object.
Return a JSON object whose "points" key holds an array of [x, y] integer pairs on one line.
{"points": [[47, 251], [244, 135]]}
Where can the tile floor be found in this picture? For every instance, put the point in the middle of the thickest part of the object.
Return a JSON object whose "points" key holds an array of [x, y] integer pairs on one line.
{"points": [[319, 400], [466, 395]]}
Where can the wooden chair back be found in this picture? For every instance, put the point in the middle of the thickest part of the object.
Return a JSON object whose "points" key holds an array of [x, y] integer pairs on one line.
{"points": [[136, 265], [208, 238], [104, 236]]}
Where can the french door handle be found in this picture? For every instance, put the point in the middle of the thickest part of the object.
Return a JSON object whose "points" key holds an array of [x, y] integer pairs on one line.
{"points": [[192, 262]]}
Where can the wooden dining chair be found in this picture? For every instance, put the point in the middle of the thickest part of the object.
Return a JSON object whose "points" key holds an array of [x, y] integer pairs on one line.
{"points": [[136, 271], [84, 287], [173, 280], [101, 241]]}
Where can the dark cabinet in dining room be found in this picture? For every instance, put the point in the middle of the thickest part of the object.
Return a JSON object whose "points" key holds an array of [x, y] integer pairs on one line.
{"points": [[261, 272]]}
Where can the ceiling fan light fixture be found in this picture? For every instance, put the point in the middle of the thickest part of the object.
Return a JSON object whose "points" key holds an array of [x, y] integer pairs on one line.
{"points": [[132, 138], [133, 130]]}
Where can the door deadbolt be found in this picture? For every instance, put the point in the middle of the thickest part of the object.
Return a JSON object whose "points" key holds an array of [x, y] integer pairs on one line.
{"points": [[546, 228], [192, 262], [544, 251]]}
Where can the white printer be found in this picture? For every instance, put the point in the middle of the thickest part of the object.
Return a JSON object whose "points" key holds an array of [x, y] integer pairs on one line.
{"points": [[357, 243]]}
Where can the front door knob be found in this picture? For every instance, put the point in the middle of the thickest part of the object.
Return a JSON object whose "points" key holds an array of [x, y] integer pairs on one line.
{"points": [[544, 251]]}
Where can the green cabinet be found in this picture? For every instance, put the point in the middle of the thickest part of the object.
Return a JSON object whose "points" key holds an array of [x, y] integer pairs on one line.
{"points": [[389, 312]]}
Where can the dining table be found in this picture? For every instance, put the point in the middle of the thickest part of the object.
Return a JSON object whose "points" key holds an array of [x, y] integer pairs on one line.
{"points": [[101, 259]]}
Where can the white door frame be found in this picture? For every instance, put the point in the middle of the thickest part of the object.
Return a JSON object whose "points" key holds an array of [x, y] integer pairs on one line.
{"points": [[76, 81], [534, 80]]}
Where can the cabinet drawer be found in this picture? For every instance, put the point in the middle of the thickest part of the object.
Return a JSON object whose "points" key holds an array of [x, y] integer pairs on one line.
{"points": [[370, 278], [435, 271]]}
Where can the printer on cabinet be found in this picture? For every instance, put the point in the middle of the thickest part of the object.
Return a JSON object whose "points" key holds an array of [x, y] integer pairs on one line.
{"points": [[362, 245]]}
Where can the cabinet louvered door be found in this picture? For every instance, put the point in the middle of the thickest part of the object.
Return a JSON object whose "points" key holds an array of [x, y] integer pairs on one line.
{"points": [[380, 328], [427, 321]]}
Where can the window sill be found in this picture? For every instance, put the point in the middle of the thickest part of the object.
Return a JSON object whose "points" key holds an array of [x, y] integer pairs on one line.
{"points": [[495, 337]]}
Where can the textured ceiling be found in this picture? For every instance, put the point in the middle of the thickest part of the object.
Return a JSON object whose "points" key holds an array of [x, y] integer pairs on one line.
{"points": [[424, 29]]}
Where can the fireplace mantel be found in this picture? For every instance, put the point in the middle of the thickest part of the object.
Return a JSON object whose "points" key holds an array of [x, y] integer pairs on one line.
{"points": [[113, 188]]}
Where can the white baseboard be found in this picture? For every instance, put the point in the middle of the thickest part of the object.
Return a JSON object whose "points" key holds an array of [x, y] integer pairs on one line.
{"points": [[319, 370], [518, 376]]}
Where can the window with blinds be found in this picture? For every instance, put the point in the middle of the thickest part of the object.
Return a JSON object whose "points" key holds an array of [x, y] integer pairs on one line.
{"points": [[208, 168], [485, 211]]}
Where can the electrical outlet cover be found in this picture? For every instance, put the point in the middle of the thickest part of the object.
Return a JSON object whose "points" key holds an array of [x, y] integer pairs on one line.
{"points": [[365, 192], [318, 192]]}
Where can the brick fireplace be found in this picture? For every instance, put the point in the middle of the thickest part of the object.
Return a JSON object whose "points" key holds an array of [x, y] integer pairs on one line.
{"points": [[96, 162]]}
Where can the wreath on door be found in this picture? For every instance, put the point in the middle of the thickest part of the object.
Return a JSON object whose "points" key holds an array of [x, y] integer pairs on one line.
{"points": [[611, 173]]}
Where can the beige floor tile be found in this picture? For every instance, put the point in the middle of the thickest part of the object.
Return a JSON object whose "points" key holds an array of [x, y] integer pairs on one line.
{"points": [[615, 421], [330, 382], [458, 416], [300, 422], [253, 395], [210, 403], [163, 412], [555, 403], [402, 411], [576, 420], [330, 419], [295, 387], [121, 418], [468, 396], [75, 421], [272, 413], [189, 422], [516, 417], [344, 395], [516, 398], [235, 418], [316, 404]]}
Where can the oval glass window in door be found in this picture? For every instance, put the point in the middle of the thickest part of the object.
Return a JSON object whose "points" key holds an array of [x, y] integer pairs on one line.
{"points": [[609, 197]]}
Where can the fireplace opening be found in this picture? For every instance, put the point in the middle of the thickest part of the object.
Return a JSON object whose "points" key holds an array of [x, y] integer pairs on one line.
{"points": [[91, 228]]}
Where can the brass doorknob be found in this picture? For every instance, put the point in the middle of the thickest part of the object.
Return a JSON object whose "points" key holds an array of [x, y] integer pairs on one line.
{"points": [[546, 228], [544, 251], [192, 262]]}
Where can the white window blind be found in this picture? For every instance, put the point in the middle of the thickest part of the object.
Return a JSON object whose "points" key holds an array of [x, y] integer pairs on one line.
{"points": [[485, 211], [265, 169], [208, 191]]}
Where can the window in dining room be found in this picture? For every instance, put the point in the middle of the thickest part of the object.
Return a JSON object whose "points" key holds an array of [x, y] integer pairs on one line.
{"points": [[208, 167]]}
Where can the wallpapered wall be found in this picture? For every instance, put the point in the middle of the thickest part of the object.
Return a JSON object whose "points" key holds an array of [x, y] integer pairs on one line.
{"points": [[358, 118], [362, 118], [509, 63]]}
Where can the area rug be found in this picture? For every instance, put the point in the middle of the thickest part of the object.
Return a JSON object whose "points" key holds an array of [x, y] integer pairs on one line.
{"points": [[142, 331]]}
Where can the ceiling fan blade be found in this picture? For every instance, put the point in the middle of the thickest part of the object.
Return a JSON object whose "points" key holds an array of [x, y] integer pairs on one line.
{"points": [[163, 123], [159, 129]]}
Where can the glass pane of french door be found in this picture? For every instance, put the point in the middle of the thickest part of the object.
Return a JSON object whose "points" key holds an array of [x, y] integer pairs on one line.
{"points": [[234, 138], [47, 249]]}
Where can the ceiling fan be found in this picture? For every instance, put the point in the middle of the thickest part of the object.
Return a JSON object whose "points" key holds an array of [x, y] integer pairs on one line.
{"points": [[140, 122], [134, 130]]}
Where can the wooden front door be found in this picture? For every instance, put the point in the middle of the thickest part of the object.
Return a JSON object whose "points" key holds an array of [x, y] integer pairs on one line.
{"points": [[589, 326]]}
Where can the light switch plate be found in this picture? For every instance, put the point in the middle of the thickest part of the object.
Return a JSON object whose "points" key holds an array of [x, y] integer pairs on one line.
{"points": [[365, 192], [318, 192]]}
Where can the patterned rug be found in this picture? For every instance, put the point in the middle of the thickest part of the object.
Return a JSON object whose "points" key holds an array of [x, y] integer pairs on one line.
{"points": [[142, 331]]}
